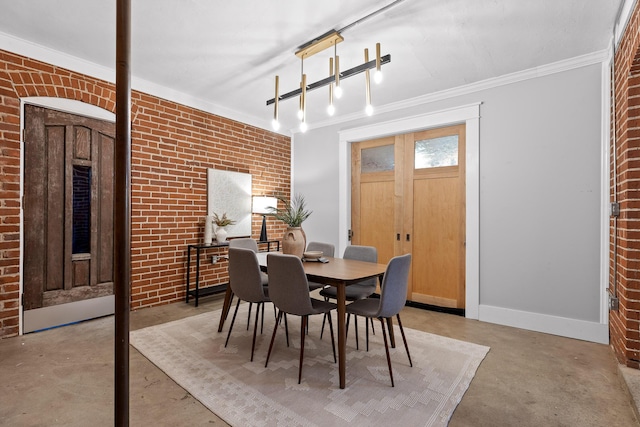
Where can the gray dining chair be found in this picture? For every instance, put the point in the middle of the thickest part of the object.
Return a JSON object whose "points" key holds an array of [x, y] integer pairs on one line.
{"points": [[246, 284], [289, 292], [249, 243], [393, 297], [327, 249], [358, 290]]}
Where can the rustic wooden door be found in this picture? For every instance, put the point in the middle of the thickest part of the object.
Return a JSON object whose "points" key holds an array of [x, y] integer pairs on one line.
{"points": [[68, 213], [408, 196]]}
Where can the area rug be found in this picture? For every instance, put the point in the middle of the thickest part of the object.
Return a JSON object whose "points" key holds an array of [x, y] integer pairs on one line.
{"points": [[244, 393]]}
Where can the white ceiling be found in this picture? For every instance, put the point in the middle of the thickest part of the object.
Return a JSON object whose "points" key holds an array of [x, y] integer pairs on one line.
{"points": [[226, 54]]}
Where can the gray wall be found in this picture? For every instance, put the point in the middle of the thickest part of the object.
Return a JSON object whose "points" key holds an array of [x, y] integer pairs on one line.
{"points": [[540, 196]]}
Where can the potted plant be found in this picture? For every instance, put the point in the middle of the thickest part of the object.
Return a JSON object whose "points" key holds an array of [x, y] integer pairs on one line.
{"points": [[294, 213], [221, 223]]}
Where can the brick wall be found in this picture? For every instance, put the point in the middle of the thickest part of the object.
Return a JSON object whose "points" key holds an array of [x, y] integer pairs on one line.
{"points": [[625, 266], [172, 147]]}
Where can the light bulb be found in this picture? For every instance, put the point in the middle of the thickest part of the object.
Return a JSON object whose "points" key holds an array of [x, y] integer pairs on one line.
{"points": [[337, 91], [369, 109], [303, 127], [275, 124], [331, 109], [377, 76], [300, 114]]}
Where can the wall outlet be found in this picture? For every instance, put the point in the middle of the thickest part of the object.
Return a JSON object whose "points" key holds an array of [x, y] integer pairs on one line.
{"points": [[613, 303], [214, 259]]}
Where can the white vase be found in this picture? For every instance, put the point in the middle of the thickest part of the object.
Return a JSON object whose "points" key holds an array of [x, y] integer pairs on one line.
{"points": [[208, 229], [221, 235]]}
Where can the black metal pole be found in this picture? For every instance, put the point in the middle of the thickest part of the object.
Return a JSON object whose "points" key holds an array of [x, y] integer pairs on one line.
{"points": [[122, 244], [328, 80]]}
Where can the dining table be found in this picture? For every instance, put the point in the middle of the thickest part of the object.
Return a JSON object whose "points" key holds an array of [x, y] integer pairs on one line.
{"points": [[337, 272]]}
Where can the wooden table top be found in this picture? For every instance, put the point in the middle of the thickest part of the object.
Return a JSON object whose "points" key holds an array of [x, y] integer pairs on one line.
{"points": [[337, 270]]}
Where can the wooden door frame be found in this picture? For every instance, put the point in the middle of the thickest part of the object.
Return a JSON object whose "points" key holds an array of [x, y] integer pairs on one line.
{"points": [[95, 305], [470, 116]]}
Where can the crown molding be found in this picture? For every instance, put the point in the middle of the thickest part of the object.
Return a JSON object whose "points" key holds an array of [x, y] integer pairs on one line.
{"points": [[543, 70]]}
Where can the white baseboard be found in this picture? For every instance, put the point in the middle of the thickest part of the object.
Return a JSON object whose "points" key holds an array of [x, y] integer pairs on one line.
{"points": [[62, 314], [555, 325]]}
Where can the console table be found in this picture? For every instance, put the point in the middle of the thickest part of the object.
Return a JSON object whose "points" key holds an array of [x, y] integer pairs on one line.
{"points": [[210, 290]]}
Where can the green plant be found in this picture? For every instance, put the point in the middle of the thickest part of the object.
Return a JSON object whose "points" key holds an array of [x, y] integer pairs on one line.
{"points": [[224, 221], [295, 211]]}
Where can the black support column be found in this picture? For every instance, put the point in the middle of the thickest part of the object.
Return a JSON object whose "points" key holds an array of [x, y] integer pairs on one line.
{"points": [[122, 211]]}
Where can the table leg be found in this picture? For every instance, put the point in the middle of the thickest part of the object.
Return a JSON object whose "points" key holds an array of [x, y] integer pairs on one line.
{"points": [[342, 334], [225, 307]]}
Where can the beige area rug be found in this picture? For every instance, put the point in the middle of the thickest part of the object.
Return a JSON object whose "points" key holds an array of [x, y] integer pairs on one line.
{"points": [[244, 393]]}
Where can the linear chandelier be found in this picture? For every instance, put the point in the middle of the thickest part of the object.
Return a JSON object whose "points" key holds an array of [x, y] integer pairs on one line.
{"points": [[327, 40]]}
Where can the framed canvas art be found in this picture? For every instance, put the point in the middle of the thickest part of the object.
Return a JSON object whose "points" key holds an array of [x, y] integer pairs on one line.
{"points": [[230, 193]]}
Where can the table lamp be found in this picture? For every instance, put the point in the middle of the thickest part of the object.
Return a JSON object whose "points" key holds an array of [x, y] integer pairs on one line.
{"points": [[262, 205]]}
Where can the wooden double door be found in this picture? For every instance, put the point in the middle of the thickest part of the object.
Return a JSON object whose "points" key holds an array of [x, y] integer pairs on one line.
{"points": [[68, 213], [408, 196]]}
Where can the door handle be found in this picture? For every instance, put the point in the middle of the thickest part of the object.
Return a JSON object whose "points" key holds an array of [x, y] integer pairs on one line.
{"points": [[408, 237], [398, 237]]}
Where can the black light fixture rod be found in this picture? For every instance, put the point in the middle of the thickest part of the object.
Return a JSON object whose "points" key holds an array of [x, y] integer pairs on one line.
{"points": [[326, 81]]}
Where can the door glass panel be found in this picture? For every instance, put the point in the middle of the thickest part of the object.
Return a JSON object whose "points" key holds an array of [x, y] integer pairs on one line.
{"points": [[436, 152], [81, 209], [377, 159]]}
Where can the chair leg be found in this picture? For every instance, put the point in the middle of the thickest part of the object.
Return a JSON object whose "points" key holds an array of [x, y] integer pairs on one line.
{"points": [[249, 315], [369, 319], [366, 322], [255, 327], [324, 319], [346, 329], [303, 328], [262, 324], [286, 328], [404, 339], [273, 337], [232, 322], [333, 342], [386, 347], [355, 326]]}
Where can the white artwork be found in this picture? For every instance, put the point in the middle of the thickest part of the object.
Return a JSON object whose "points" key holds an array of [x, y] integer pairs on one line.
{"points": [[230, 193]]}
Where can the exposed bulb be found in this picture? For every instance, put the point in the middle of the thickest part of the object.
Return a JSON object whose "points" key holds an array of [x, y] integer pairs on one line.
{"points": [[303, 127], [300, 114], [331, 110], [368, 109], [275, 124], [377, 76], [337, 92]]}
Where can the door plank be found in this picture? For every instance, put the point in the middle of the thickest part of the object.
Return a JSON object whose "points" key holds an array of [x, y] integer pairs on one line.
{"points": [[34, 207], [54, 212]]}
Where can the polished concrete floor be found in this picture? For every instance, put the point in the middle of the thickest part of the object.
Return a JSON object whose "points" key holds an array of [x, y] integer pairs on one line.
{"points": [[64, 376]]}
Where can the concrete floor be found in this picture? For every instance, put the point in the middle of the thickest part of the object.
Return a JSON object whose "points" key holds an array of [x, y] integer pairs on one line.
{"points": [[64, 376]]}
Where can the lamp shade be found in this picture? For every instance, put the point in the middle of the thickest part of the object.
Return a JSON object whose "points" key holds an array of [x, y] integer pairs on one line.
{"points": [[262, 204]]}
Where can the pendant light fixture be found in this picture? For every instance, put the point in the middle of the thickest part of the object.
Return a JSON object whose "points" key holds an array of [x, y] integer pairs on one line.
{"points": [[368, 108], [331, 109], [377, 75], [338, 90], [319, 44], [333, 81]]}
